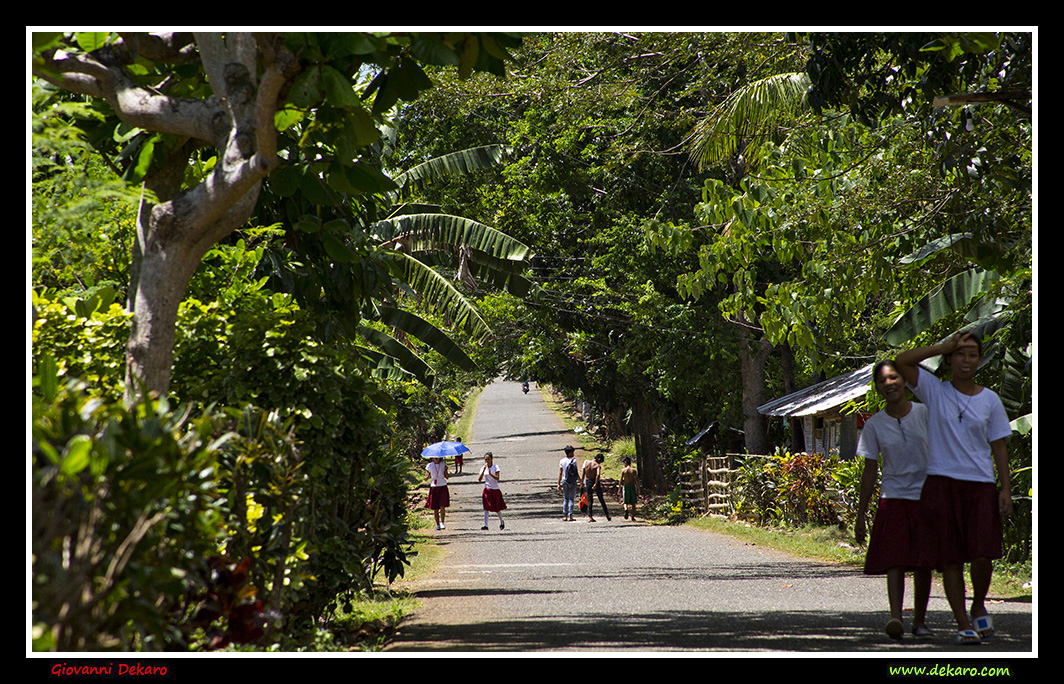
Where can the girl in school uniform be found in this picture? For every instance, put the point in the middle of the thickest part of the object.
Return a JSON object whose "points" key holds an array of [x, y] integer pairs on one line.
{"points": [[492, 497], [895, 437], [439, 496]]}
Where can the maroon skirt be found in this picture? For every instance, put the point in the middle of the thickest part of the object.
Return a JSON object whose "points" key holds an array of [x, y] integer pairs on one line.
{"points": [[439, 497], [959, 521], [493, 500], [892, 543]]}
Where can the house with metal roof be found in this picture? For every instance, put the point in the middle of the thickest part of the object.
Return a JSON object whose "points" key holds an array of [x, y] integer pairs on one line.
{"points": [[819, 408]]}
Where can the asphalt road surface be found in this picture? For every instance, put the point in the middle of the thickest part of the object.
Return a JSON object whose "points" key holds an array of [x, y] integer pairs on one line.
{"points": [[548, 586]]}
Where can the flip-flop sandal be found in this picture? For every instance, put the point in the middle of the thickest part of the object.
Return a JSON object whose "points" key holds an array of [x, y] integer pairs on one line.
{"points": [[984, 626], [894, 629], [967, 637], [922, 632]]}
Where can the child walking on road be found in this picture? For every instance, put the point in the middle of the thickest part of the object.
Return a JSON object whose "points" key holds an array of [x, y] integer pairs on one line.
{"points": [[961, 504], [493, 501], [459, 459], [897, 435], [629, 479], [568, 483]]}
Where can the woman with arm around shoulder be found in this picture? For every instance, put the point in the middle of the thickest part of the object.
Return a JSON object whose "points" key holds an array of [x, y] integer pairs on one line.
{"points": [[968, 429]]}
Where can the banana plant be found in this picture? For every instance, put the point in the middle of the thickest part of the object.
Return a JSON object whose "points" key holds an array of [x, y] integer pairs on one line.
{"points": [[974, 293], [456, 163], [415, 238], [367, 268]]}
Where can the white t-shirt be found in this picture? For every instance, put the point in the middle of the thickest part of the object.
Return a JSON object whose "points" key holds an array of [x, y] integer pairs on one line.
{"points": [[961, 429], [437, 470], [902, 445], [564, 464], [491, 477]]}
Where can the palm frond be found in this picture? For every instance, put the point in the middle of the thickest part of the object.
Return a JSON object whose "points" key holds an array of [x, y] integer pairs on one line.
{"points": [[436, 293], [387, 367], [952, 296], [398, 353], [457, 163], [750, 116], [418, 327], [430, 232]]}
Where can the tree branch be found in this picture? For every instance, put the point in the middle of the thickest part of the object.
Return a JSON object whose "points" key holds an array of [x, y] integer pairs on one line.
{"points": [[102, 74]]}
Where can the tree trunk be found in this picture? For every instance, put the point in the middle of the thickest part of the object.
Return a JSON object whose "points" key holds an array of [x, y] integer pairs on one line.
{"points": [[795, 425], [753, 354], [646, 429], [171, 248]]}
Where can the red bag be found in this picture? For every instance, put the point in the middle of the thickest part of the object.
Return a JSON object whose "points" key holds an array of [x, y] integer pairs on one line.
{"points": [[583, 502]]}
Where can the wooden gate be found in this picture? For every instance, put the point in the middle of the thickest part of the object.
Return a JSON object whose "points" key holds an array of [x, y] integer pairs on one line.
{"points": [[706, 485]]}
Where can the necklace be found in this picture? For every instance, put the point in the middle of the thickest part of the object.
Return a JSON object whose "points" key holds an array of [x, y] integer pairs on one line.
{"points": [[902, 412], [962, 409], [901, 429]]}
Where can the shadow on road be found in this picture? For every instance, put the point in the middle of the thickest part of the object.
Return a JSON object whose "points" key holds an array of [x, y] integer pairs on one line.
{"points": [[687, 631], [520, 435]]}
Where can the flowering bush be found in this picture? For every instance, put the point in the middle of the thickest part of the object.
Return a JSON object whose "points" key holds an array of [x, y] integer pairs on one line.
{"points": [[793, 489]]}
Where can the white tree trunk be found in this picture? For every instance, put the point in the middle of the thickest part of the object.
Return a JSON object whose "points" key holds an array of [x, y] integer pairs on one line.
{"points": [[173, 235]]}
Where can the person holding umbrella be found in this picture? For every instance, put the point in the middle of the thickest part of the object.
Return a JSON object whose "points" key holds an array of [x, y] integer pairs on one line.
{"points": [[436, 471], [439, 496]]}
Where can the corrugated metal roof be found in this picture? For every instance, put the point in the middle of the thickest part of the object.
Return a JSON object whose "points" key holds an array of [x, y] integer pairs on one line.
{"points": [[822, 396]]}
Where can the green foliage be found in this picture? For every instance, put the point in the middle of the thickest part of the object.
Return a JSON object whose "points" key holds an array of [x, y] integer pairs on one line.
{"points": [[1018, 532], [124, 516], [86, 338], [309, 489], [339, 496], [806, 251], [792, 489], [264, 570], [82, 216]]}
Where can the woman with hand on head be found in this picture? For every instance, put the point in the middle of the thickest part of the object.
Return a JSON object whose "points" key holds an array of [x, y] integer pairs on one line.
{"points": [[961, 503]]}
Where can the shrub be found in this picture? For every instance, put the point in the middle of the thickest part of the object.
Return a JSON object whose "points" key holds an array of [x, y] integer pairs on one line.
{"points": [[329, 477], [123, 517], [790, 489], [85, 336]]}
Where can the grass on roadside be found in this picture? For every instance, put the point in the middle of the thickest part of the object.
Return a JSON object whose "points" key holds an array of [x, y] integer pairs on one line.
{"points": [[836, 545], [463, 427], [821, 543]]}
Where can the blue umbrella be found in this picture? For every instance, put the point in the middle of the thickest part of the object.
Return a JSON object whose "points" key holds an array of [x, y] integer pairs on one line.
{"points": [[444, 449]]}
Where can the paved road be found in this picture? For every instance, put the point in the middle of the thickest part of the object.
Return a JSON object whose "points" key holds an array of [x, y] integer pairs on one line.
{"points": [[544, 585]]}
